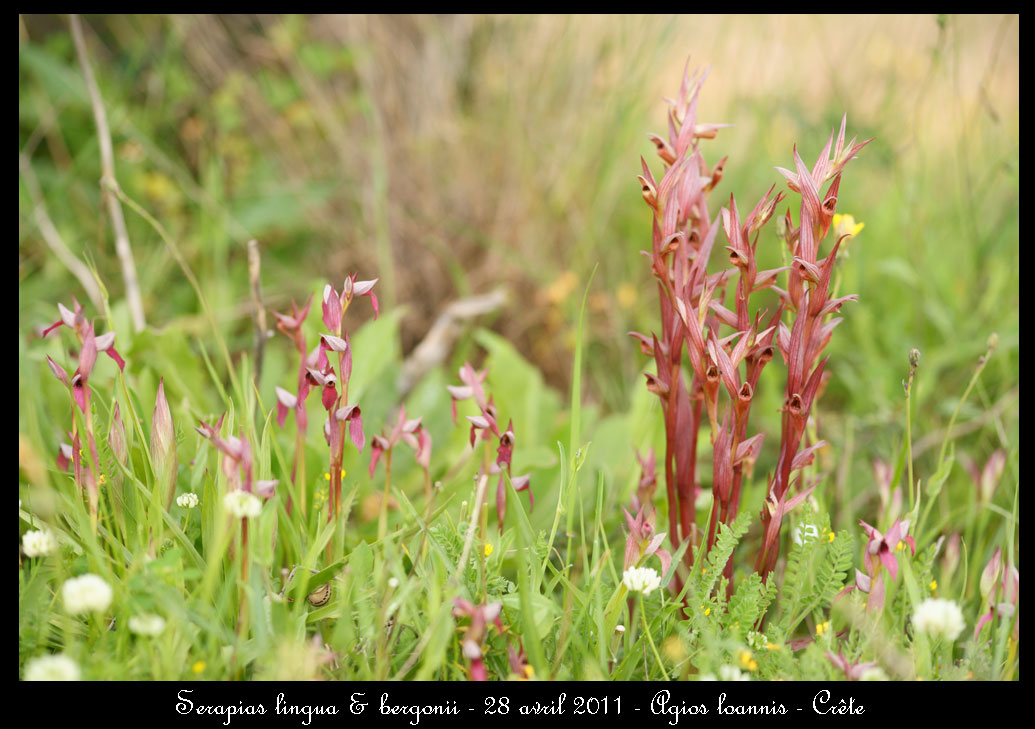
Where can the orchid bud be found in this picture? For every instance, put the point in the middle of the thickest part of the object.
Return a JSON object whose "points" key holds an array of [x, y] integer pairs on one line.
{"points": [[423, 454], [163, 445], [783, 228], [991, 474], [117, 444], [951, 558], [331, 309], [990, 576]]}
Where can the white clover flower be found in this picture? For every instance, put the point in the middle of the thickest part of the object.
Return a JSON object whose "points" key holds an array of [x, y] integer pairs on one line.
{"points": [[188, 501], [88, 593], [52, 668], [939, 618], [242, 504], [39, 543], [641, 579], [147, 624], [757, 641], [732, 673], [726, 673], [873, 674]]}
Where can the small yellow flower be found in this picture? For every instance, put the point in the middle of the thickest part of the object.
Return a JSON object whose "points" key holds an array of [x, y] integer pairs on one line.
{"points": [[831, 536], [198, 667], [707, 611], [327, 477], [822, 628], [772, 646], [529, 671], [898, 547], [933, 585], [488, 549], [103, 479], [846, 225]]}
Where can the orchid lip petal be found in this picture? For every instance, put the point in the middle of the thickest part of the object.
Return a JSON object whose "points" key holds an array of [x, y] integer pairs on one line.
{"points": [[889, 561], [478, 421]]}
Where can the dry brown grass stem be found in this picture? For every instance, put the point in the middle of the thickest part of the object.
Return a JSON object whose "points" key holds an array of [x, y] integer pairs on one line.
{"points": [[53, 239], [118, 222]]}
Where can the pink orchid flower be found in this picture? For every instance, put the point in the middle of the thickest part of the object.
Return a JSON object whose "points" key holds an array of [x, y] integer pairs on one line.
{"points": [[406, 430], [237, 460], [852, 671], [477, 631], [77, 321], [1000, 590], [882, 547], [643, 542]]}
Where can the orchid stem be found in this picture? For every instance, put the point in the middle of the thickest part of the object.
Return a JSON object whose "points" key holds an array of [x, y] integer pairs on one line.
{"points": [[382, 521]]}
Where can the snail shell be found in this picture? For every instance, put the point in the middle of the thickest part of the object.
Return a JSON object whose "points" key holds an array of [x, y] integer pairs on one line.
{"points": [[320, 596]]}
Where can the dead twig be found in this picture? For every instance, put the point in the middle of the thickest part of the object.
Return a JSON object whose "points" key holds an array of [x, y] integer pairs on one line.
{"points": [[435, 346]]}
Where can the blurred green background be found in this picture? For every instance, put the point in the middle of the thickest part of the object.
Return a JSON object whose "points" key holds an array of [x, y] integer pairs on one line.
{"points": [[448, 155]]}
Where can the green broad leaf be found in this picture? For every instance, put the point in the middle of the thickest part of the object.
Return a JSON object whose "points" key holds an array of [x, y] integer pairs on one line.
{"points": [[543, 610], [378, 341]]}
